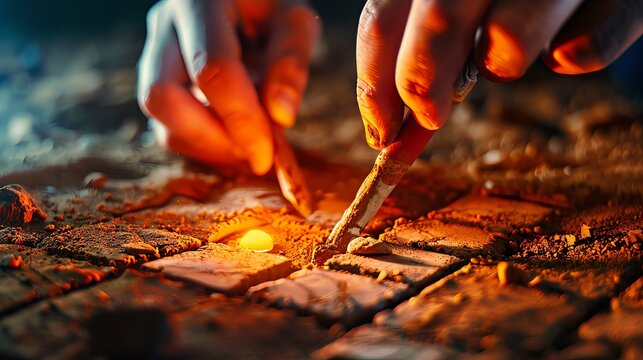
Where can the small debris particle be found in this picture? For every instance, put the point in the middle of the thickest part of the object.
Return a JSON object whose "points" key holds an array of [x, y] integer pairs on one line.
{"points": [[635, 236], [510, 274], [50, 227], [10, 261], [18, 207], [368, 246], [382, 276], [458, 298], [96, 180], [103, 296], [585, 232], [535, 281], [570, 239]]}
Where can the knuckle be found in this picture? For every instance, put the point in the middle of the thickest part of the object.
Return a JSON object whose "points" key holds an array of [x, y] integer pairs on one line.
{"points": [[155, 12], [208, 71], [413, 88], [365, 94]]}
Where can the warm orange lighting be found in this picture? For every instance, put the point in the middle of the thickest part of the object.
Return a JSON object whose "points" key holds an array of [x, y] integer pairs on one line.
{"points": [[257, 241], [567, 57], [505, 57]]}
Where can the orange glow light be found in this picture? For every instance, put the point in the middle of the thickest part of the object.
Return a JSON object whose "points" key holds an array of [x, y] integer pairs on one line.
{"points": [[257, 241], [568, 54], [505, 57]]}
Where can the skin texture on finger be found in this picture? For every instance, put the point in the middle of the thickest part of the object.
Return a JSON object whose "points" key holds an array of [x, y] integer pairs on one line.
{"points": [[437, 42], [297, 29], [515, 32], [163, 95], [597, 34], [380, 31], [210, 47]]}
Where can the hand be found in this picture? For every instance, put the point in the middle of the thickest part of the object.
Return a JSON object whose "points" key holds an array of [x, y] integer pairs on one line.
{"points": [[215, 49], [410, 52]]}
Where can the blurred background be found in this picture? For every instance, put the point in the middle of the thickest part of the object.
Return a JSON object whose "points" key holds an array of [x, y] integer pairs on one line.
{"points": [[68, 75]]}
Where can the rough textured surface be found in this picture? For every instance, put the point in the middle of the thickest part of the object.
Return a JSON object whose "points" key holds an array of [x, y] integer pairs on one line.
{"points": [[35, 275], [332, 297], [459, 240], [369, 342], [415, 267], [368, 246], [234, 329], [117, 245], [471, 312], [58, 328], [223, 268], [622, 324], [566, 147], [494, 213]]}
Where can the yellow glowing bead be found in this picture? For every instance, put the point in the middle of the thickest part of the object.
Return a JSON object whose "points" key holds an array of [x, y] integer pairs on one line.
{"points": [[256, 240]]}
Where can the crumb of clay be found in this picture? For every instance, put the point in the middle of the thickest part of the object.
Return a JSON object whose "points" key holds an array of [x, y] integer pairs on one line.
{"points": [[18, 207], [570, 239], [511, 274], [368, 246], [585, 232], [635, 236]]}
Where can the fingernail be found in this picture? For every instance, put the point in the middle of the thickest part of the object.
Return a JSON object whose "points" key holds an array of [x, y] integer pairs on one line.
{"points": [[504, 57], [373, 137], [260, 156], [576, 57], [283, 108]]}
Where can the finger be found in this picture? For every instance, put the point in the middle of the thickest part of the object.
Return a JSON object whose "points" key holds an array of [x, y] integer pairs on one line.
{"points": [[255, 16], [380, 31], [437, 41], [163, 95], [209, 44], [290, 48], [515, 32], [597, 34]]}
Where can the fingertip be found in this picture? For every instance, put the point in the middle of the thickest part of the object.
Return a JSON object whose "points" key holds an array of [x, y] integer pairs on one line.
{"points": [[260, 155], [428, 120], [283, 106], [574, 57], [430, 105], [499, 55]]}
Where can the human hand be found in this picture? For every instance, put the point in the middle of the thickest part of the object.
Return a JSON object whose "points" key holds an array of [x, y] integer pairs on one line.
{"points": [[223, 49], [410, 52]]}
